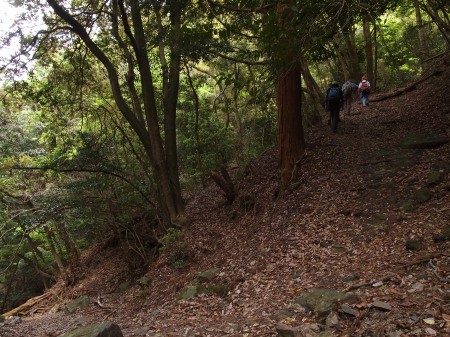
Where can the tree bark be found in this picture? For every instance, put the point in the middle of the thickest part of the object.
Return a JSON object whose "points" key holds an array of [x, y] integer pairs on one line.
{"points": [[238, 118], [368, 51], [349, 38], [56, 256], [341, 58], [375, 58], [71, 247], [311, 84], [291, 140], [224, 181], [198, 146], [421, 35], [170, 113]]}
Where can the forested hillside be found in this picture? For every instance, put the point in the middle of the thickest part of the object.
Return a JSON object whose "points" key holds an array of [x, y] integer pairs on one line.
{"points": [[169, 165], [368, 215]]}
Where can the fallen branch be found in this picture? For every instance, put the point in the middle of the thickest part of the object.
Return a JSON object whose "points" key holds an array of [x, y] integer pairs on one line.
{"points": [[297, 163], [418, 319], [367, 163], [371, 283], [435, 271], [27, 306], [435, 56], [423, 260], [409, 87], [107, 316], [100, 304]]}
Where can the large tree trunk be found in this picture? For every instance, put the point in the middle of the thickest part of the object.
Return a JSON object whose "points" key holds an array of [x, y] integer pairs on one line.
{"points": [[311, 84], [71, 248], [421, 35], [375, 58], [168, 187], [238, 118], [198, 144], [368, 51], [342, 61], [291, 140], [171, 108], [56, 257], [353, 59]]}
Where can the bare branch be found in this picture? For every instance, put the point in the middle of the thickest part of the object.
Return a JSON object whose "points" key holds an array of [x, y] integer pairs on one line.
{"points": [[88, 171], [235, 9], [251, 63]]}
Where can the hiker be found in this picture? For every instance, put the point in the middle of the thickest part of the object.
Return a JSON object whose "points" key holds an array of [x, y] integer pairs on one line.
{"points": [[364, 91], [347, 89], [333, 103]]}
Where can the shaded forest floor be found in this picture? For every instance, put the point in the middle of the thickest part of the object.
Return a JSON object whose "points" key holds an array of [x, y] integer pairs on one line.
{"points": [[351, 221]]}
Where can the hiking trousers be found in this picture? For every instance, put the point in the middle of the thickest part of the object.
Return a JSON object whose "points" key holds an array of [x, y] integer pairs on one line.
{"points": [[365, 98], [334, 116], [347, 104]]}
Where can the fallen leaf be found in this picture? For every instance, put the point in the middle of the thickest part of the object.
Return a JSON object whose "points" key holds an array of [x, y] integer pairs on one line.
{"points": [[429, 320], [407, 304], [382, 305], [430, 331]]}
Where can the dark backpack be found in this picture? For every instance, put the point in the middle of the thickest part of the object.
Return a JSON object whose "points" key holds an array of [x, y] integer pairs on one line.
{"points": [[334, 95], [365, 87], [348, 90]]}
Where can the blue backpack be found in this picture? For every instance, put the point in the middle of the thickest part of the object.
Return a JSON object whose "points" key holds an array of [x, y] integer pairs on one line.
{"points": [[334, 95]]}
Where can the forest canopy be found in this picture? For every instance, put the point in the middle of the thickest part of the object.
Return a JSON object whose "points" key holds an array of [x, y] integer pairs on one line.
{"points": [[110, 109]]}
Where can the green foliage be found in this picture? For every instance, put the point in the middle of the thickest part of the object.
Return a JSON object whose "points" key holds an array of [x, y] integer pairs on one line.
{"points": [[173, 236], [179, 260], [233, 125], [61, 170], [221, 290], [178, 253], [399, 63], [399, 48]]}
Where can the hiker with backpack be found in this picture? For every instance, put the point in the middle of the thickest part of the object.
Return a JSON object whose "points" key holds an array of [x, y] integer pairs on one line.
{"points": [[347, 89], [333, 103], [364, 91]]}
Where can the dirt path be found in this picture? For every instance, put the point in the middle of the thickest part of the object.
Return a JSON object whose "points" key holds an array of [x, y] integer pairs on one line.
{"points": [[343, 223]]}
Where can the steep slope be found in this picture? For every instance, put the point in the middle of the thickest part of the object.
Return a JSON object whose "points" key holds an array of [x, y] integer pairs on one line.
{"points": [[352, 220]]}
